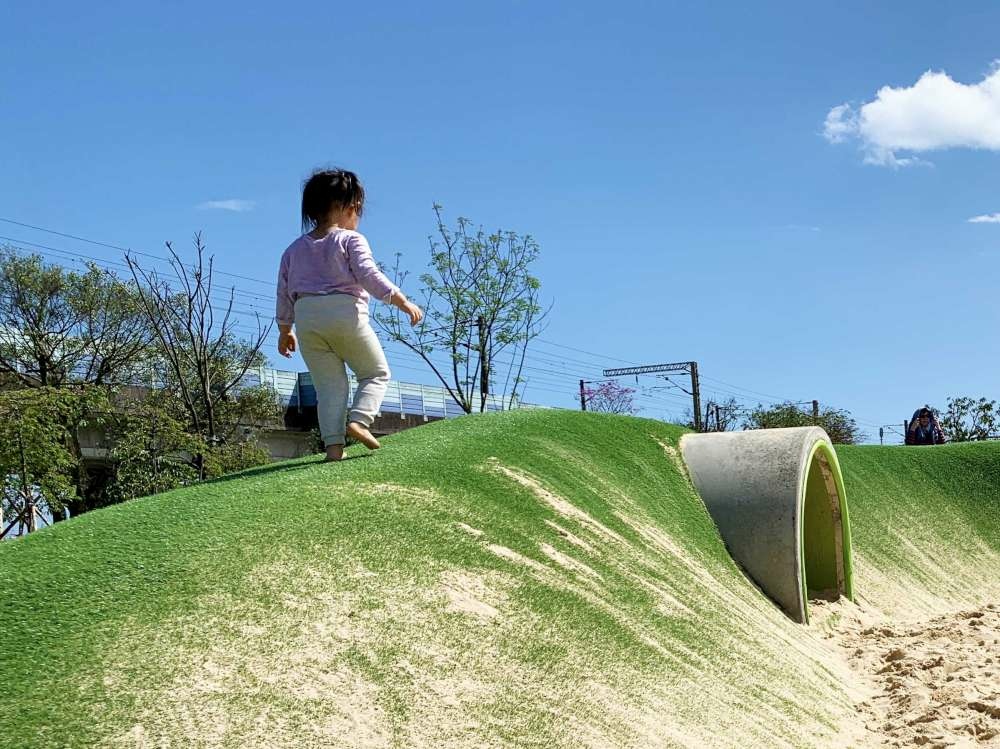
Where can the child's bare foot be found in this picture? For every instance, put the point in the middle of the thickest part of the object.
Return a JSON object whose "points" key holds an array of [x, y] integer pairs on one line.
{"points": [[334, 453], [358, 431]]}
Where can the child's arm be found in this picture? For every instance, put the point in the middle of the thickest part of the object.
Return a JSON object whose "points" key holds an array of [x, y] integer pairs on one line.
{"points": [[374, 281], [398, 300], [285, 312], [366, 270]]}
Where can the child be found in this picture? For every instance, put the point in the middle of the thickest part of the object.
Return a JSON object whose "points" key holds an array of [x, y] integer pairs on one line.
{"points": [[324, 282]]}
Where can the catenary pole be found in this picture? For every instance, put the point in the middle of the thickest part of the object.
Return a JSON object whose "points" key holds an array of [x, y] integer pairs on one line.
{"points": [[690, 367]]}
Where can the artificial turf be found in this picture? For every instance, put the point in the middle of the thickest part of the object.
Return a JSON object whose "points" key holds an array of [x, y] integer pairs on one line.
{"points": [[524, 579], [926, 524]]}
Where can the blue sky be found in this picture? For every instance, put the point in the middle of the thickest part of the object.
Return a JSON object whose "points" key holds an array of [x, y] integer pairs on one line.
{"points": [[695, 189]]}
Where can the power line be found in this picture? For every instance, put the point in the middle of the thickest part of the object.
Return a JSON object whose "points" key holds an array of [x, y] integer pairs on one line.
{"points": [[123, 249], [568, 364], [104, 263]]}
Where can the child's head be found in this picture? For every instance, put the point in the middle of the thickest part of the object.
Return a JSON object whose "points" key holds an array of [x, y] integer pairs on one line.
{"points": [[330, 191]]}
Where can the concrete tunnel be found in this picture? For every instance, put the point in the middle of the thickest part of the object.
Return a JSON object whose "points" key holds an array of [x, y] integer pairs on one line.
{"points": [[777, 497]]}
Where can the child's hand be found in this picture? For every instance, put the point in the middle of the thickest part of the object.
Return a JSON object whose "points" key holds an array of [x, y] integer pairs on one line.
{"points": [[287, 344], [416, 314]]}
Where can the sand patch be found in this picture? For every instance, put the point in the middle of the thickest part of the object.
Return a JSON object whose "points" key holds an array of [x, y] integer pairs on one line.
{"points": [[558, 504], [466, 528], [934, 683], [236, 688], [567, 561], [469, 594], [674, 455], [399, 490], [936, 579], [512, 556]]}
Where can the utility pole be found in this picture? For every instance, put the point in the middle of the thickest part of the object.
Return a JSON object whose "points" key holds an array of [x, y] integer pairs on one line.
{"points": [[583, 396], [484, 365], [27, 514], [815, 412], [718, 421], [29, 495], [695, 395], [685, 366]]}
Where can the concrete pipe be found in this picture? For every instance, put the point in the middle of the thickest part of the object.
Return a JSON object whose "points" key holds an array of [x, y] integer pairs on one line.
{"points": [[777, 497]]}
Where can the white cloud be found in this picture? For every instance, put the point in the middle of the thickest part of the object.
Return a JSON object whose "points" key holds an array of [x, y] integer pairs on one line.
{"points": [[986, 218], [934, 113], [841, 123], [232, 204]]}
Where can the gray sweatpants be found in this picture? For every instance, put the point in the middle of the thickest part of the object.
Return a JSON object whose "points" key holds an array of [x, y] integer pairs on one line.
{"points": [[332, 330]]}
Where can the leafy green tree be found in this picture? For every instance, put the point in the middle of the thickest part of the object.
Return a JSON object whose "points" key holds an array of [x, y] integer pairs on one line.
{"points": [[70, 330], [838, 423], [38, 464], [152, 451], [234, 456], [482, 310], [59, 326], [63, 328], [969, 419]]}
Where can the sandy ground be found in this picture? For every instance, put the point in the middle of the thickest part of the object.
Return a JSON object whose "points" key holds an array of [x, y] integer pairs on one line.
{"points": [[931, 683]]}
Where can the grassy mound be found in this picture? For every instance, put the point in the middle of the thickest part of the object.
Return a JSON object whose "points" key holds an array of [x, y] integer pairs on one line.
{"points": [[926, 526], [525, 579]]}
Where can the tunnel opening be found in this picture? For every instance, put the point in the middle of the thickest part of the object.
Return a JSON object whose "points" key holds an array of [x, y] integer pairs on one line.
{"points": [[777, 497], [826, 555]]}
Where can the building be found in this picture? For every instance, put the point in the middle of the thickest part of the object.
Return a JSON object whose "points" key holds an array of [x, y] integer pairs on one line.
{"points": [[406, 405]]}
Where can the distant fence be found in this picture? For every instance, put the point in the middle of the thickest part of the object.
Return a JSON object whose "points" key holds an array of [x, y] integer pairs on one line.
{"points": [[296, 390]]}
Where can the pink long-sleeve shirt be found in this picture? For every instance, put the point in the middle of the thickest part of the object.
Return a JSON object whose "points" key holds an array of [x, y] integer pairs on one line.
{"points": [[339, 263]]}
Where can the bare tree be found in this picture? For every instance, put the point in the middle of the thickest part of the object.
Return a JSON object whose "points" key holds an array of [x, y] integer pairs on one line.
{"points": [[723, 417], [482, 310], [204, 360]]}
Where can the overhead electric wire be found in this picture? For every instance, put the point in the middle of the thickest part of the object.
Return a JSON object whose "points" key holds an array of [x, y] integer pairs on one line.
{"points": [[546, 357], [122, 249]]}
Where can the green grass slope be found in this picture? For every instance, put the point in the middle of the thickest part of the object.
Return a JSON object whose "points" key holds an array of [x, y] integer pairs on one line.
{"points": [[926, 526], [528, 579]]}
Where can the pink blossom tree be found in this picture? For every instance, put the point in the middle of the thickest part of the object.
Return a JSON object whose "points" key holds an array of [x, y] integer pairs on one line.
{"points": [[610, 397]]}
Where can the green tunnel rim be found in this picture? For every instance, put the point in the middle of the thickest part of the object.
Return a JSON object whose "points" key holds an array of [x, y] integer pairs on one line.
{"points": [[826, 449]]}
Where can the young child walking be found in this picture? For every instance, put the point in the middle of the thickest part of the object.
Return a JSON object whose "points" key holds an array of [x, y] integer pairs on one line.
{"points": [[324, 282]]}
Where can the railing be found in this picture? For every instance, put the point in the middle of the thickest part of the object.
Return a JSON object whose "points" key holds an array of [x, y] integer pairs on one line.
{"points": [[296, 389]]}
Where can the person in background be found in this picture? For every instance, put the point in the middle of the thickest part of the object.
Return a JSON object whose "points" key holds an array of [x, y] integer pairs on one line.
{"points": [[924, 429], [325, 280]]}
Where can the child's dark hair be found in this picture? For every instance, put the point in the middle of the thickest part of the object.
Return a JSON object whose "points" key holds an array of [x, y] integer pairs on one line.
{"points": [[327, 189]]}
